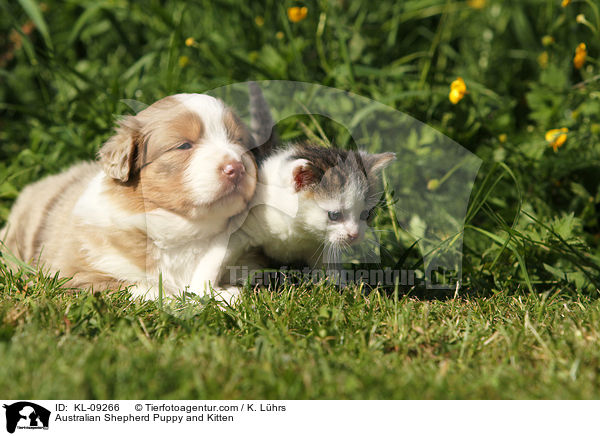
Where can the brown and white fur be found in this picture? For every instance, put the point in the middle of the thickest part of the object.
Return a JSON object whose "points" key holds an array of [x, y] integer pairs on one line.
{"points": [[162, 192]]}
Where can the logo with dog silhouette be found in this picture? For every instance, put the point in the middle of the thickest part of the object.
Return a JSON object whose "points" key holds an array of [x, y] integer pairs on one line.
{"points": [[26, 415]]}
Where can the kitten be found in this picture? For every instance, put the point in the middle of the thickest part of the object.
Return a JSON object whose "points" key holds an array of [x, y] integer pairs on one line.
{"points": [[310, 202]]}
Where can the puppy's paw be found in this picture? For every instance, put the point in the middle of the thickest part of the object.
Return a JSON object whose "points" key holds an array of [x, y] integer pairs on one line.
{"points": [[226, 296], [145, 291]]}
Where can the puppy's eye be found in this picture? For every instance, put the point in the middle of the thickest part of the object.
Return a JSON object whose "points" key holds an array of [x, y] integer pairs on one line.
{"points": [[185, 146], [334, 215], [364, 215]]}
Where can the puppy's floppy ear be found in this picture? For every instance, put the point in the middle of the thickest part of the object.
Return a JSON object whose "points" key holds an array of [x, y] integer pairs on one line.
{"points": [[118, 155], [303, 174], [376, 162]]}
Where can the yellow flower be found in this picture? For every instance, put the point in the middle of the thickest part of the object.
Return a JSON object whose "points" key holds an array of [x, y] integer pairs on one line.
{"points": [[547, 40], [260, 21], [565, 3], [190, 41], [556, 137], [459, 84], [279, 35], [543, 59], [183, 61], [297, 13], [433, 184], [458, 89], [476, 4], [502, 138], [580, 18], [455, 96], [580, 56]]}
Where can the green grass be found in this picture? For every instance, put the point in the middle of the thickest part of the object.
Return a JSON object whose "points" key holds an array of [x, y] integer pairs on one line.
{"points": [[525, 322], [302, 343]]}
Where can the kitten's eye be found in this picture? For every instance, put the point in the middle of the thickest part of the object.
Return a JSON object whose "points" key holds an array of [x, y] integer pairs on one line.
{"points": [[185, 146], [334, 215], [364, 215]]}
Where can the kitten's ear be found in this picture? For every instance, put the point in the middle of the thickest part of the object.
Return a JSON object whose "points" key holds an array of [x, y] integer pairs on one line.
{"points": [[376, 162], [118, 155], [303, 174]]}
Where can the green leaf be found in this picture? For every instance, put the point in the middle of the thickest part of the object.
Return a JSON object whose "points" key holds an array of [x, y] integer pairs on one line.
{"points": [[34, 12], [576, 277], [83, 19]]}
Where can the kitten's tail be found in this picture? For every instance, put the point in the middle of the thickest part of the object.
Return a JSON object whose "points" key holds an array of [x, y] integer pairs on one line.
{"points": [[261, 123]]}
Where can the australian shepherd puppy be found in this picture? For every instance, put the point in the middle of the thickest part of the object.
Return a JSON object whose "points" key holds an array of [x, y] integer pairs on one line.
{"points": [[163, 189]]}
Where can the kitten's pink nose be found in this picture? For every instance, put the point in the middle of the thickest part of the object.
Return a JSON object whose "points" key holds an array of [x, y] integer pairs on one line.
{"points": [[352, 236], [234, 170]]}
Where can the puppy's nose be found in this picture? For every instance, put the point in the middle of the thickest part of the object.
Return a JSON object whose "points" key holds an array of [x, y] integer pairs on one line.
{"points": [[234, 170], [352, 235]]}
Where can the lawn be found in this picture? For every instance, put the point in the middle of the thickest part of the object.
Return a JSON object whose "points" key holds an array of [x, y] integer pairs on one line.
{"points": [[301, 343], [525, 321]]}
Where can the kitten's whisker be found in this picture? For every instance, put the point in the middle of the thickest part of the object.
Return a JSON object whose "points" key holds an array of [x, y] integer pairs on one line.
{"points": [[319, 249], [346, 247], [375, 195], [401, 208], [369, 243], [327, 250], [334, 253]]}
